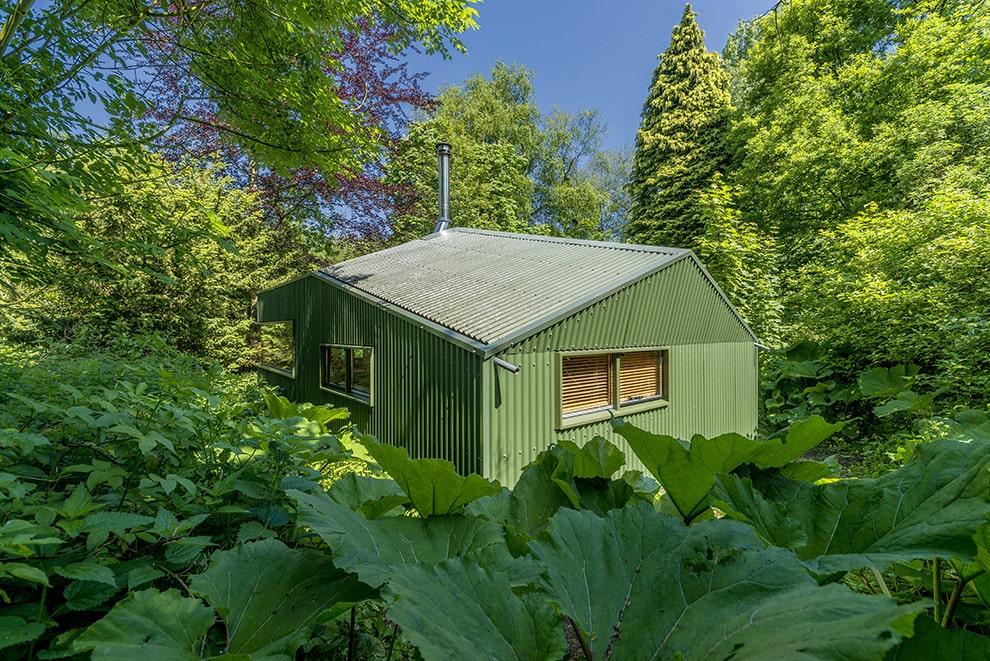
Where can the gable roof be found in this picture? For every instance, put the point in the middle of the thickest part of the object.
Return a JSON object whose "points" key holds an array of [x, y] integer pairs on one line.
{"points": [[492, 288]]}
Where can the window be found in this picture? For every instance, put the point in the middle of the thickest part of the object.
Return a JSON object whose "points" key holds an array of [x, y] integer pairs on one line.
{"points": [[278, 351], [586, 384], [347, 370], [593, 386]]}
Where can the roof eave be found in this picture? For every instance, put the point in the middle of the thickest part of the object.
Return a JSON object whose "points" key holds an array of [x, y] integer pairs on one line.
{"points": [[461, 340]]}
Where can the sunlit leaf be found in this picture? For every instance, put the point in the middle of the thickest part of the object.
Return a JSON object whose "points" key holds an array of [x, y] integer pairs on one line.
{"points": [[931, 507], [458, 610], [150, 625], [271, 596], [640, 585], [433, 485]]}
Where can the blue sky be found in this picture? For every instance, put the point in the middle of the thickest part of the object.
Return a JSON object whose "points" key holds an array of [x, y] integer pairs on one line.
{"points": [[591, 54]]}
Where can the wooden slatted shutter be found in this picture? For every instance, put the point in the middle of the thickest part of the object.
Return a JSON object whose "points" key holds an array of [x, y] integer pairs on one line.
{"points": [[640, 376], [586, 383]]}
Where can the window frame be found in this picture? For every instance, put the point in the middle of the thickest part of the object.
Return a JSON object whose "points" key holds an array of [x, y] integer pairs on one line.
{"points": [[269, 367], [616, 408], [348, 388]]}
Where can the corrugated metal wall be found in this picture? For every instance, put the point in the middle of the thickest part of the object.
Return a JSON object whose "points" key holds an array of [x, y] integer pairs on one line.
{"points": [[712, 369], [430, 396], [427, 391]]}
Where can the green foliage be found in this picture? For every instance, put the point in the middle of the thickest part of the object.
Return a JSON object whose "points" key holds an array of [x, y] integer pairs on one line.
{"points": [[680, 142], [741, 259], [908, 286], [432, 485], [263, 66], [192, 516], [110, 490], [513, 168], [457, 609], [861, 153], [687, 470], [929, 508], [643, 585], [239, 585], [202, 252]]}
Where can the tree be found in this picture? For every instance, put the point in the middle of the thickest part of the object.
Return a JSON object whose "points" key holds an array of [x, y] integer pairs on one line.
{"points": [[514, 168], [354, 203], [680, 143], [261, 65], [864, 155], [742, 260], [174, 278]]}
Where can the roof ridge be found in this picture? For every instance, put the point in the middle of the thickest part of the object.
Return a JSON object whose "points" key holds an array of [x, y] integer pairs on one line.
{"points": [[611, 245]]}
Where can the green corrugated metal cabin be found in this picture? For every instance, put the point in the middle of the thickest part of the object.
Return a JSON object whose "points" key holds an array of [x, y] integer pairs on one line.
{"points": [[484, 348]]}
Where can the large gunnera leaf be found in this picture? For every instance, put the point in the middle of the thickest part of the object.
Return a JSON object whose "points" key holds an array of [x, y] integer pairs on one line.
{"points": [[686, 470], [933, 506], [433, 486], [931, 641], [271, 596], [164, 626], [642, 585], [370, 548], [458, 610]]}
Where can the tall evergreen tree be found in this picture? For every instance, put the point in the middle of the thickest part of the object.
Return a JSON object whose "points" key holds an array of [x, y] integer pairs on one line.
{"points": [[680, 143]]}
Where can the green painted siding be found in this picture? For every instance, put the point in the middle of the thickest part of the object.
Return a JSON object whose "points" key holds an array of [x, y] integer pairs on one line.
{"points": [[427, 391], [712, 369]]}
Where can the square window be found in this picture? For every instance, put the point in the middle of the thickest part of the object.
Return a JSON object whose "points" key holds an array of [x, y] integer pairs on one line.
{"points": [[335, 367], [640, 376], [586, 384], [347, 370], [278, 348]]}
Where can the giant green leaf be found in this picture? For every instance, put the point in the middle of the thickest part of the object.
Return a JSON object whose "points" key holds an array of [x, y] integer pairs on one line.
{"points": [[596, 458], [371, 548], [768, 520], [931, 507], [271, 596], [881, 382], [930, 641], [433, 486], [371, 496], [458, 610], [164, 626], [642, 585], [687, 470]]}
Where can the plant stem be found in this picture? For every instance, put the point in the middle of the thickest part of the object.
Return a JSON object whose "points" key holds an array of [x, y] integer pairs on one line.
{"points": [[879, 578], [41, 613], [581, 639], [350, 637], [391, 643], [950, 608], [937, 588]]}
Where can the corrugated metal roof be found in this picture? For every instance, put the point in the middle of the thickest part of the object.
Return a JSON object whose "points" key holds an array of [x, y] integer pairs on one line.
{"points": [[489, 286]]}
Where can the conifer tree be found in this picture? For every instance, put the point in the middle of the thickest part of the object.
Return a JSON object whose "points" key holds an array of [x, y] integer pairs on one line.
{"points": [[680, 143]]}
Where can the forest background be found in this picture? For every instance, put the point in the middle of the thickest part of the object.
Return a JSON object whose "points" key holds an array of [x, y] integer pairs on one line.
{"points": [[831, 168]]}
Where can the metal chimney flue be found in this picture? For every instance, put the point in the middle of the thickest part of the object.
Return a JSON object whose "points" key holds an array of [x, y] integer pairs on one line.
{"points": [[443, 187]]}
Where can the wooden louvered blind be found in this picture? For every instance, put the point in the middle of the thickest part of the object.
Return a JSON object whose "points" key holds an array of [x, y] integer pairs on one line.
{"points": [[587, 383], [640, 376]]}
